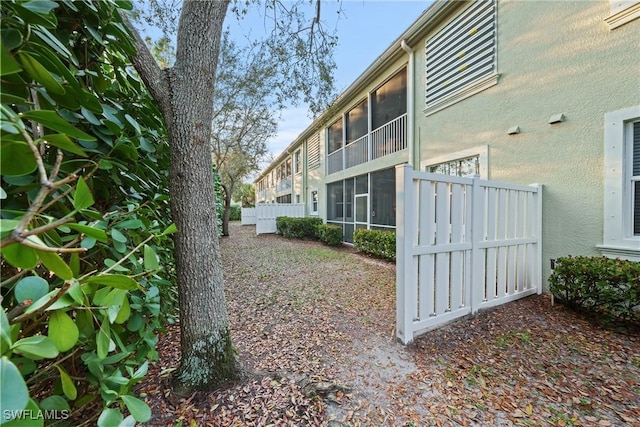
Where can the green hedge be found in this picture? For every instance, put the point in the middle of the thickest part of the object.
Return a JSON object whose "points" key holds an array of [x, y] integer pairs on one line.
{"points": [[234, 213], [298, 228], [609, 287], [375, 242], [330, 234]]}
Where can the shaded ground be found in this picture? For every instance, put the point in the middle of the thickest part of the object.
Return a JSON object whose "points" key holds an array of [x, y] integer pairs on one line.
{"points": [[319, 323]]}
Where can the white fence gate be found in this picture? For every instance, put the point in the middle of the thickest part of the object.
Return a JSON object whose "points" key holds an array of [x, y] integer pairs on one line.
{"points": [[266, 214], [248, 216], [463, 244]]}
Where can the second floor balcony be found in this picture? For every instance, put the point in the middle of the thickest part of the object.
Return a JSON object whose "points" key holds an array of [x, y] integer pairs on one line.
{"points": [[388, 138]]}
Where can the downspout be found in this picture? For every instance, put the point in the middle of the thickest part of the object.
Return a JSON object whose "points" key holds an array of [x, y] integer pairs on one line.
{"points": [[410, 103]]}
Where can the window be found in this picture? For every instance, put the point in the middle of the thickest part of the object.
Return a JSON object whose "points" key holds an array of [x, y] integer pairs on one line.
{"points": [[389, 101], [622, 184], [468, 166], [334, 136], [313, 151], [461, 58], [297, 198], [284, 199], [357, 122], [461, 163], [335, 201], [297, 162], [287, 168], [314, 202]]}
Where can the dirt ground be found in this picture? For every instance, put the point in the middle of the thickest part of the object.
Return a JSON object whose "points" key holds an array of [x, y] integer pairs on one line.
{"points": [[317, 324]]}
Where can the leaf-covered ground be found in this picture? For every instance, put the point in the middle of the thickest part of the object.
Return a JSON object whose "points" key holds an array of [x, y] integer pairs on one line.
{"points": [[317, 324]]}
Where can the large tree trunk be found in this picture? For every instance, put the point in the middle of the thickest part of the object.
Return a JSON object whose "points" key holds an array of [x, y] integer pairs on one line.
{"points": [[185, 95]]}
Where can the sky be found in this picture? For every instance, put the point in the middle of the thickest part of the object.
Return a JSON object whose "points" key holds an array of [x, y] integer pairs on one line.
{"points": [[365, 29]]}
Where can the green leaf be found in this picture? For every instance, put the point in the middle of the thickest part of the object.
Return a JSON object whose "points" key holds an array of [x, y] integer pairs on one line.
{"points": [[103, 339], [118, 236], [5, 333], [41, 7], [87, 230], [68, 388], [139, 410], [130, 224], [54, 403], [55, 264], [63, 331], [14, 394], [150, 259], [36, 347], [8, 65], [51, 120], [31, 287], [63, 142], [91, 118], [114, 280], [128, 422], [17, 159], [170, 229], [82, 198], [20, 256], [124, 313], [133, 123], [40, 74], [11, 39], [7, 225], [110, 418]]}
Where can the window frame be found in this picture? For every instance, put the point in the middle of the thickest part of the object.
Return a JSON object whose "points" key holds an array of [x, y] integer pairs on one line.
{"points": [[622, 12], [297, 161], [481, 151], [314, 202], [618, 238]]}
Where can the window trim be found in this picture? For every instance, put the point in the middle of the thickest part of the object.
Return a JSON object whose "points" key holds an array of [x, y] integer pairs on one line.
{"points": [[620, 15], [297, 161], [618, 238], [482, 151]]}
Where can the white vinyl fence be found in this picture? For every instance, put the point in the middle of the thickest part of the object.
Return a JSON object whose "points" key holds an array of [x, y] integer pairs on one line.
{"points": [[463, 244], [266, 214], [248, 216]]}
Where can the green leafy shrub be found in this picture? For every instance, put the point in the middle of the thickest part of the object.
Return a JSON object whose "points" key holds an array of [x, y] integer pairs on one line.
{"points": [[375, 242], [298, 228], [85, 221], [609, 287], [235, 213], [330, 234]]}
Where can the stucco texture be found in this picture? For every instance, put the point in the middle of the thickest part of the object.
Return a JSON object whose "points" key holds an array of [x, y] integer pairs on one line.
{"points": [[553, 57]]}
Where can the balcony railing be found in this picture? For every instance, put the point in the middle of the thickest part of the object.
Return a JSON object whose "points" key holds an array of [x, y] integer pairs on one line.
{"points": [[388, 138]]}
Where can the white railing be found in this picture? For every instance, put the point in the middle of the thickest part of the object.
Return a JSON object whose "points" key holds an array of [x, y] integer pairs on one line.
{"points": [[357, 152], [335, 162], [266, 214], [389, 138], [462, 244], [248, 216]]}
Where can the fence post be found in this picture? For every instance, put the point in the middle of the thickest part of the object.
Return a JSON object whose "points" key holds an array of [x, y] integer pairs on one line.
{"points": [[537, 227], [477, 236], [406, 279]]}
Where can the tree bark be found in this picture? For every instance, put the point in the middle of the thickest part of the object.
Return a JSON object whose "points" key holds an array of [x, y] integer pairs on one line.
{"points": [[208, 359], [226, 212]]}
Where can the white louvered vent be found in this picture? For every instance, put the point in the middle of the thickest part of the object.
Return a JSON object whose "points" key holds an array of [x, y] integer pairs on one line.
{"points": [[462, 53], [313, 151]]}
